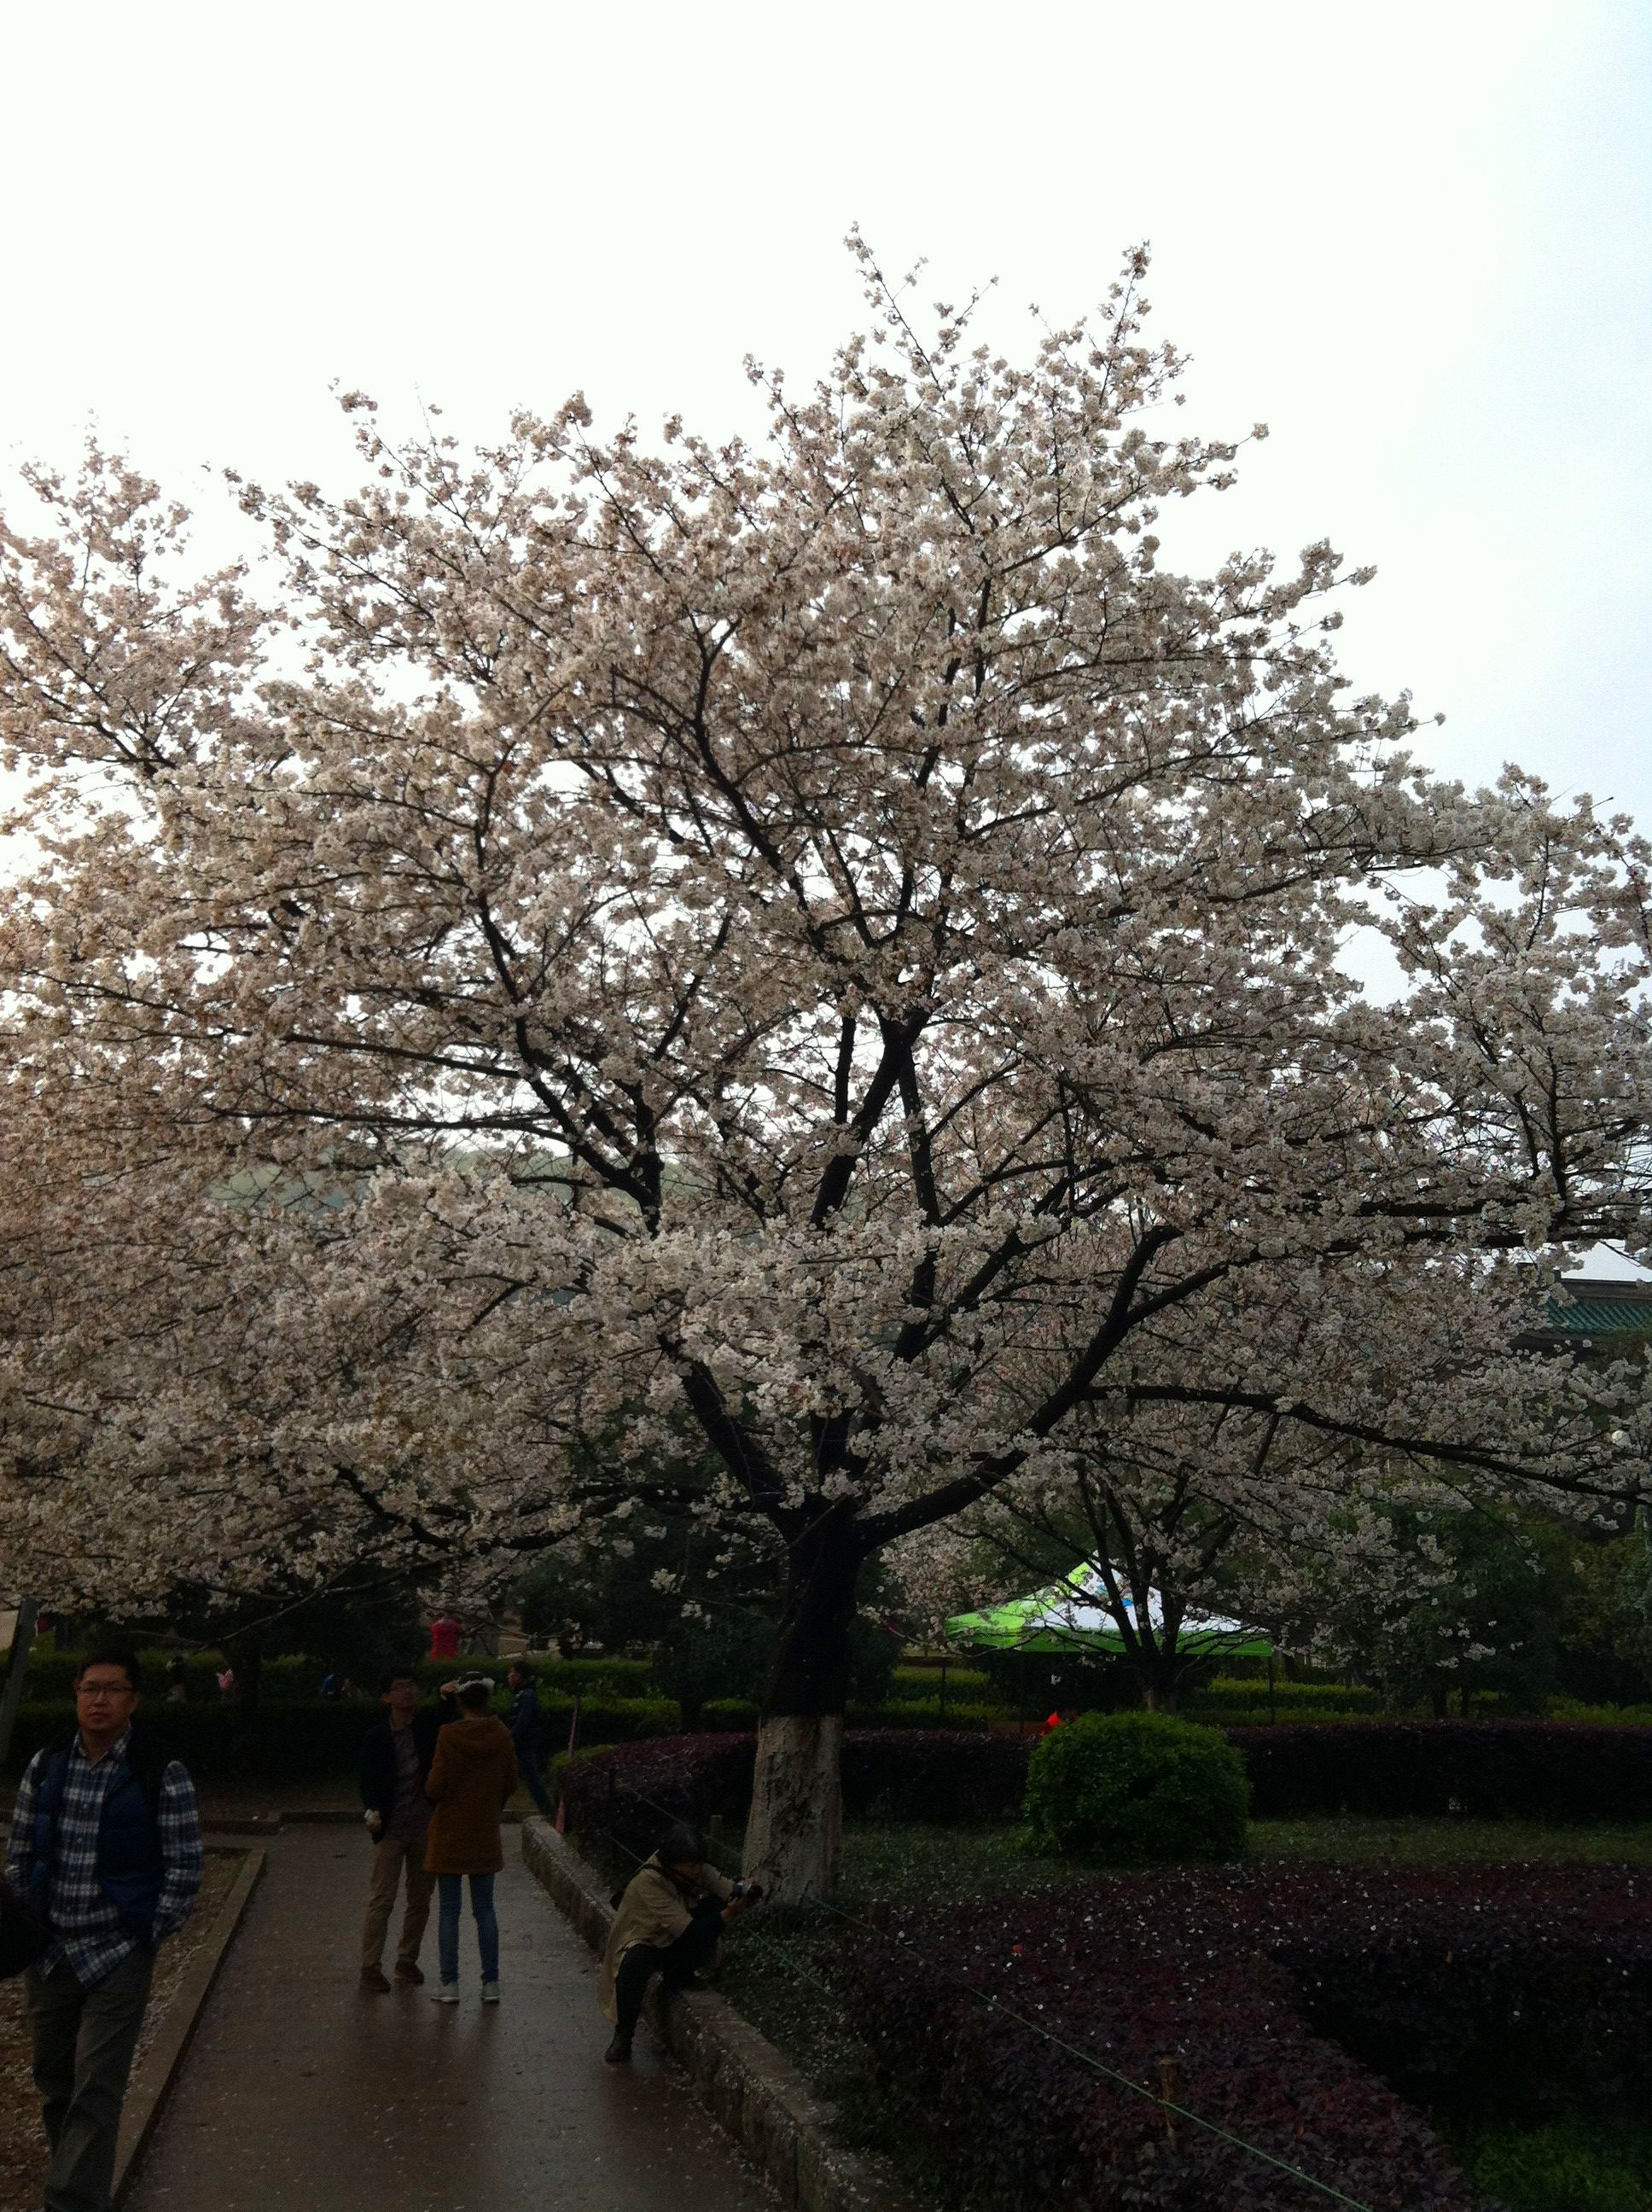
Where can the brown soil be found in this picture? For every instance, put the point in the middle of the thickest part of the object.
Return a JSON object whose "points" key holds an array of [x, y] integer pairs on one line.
{"points": [[23, 2146]]}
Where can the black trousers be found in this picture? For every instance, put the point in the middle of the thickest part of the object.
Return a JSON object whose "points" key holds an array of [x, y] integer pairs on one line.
{"points": [[84, 2040], [676, 1961]]}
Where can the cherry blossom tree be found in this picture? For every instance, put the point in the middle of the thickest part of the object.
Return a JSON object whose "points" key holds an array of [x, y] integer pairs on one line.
{"points": [[804, 980], [1240, 1500]]}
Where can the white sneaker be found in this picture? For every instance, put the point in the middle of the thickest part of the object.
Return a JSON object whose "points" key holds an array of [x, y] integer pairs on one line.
{"points": [[490, 1993], [444, 1993]]}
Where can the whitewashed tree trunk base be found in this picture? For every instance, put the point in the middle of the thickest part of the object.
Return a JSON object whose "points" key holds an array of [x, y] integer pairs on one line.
{"points": [[796, 1829]]}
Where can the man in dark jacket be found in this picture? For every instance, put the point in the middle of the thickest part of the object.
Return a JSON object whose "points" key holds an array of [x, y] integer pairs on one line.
{"points": [[106, 1841], [527, 1723], [395, 1760]]}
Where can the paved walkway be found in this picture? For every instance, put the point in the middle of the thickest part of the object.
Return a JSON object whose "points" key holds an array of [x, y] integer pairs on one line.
{"points": [[300, 2092]]}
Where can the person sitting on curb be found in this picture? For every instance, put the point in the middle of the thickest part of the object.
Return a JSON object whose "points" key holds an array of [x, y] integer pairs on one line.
{"points": [[471, 1776], [106, 1844], [394, 1762], [669, 1917]]}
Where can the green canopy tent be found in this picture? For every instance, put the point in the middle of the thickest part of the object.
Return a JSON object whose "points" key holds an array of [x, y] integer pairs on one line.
{"points": [[1065, 1620]]}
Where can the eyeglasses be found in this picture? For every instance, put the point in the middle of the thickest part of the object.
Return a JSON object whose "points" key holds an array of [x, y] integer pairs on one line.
{"points": [[99, 1693]]}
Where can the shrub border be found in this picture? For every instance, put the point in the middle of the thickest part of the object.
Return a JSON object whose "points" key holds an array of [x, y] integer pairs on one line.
{"points": [[745, 2084]]}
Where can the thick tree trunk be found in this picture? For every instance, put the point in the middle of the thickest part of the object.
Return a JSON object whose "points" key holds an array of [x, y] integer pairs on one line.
{"points": [[1160, 1673], [793, 1836], [796, 1829]]}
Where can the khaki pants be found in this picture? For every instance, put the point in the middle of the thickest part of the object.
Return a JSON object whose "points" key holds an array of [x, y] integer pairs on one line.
{"points": [[390, 1854], [84, 2045]]}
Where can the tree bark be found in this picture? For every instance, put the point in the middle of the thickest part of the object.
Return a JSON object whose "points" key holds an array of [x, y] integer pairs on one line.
{"points": [[1160, 1673], [795, 1832]]}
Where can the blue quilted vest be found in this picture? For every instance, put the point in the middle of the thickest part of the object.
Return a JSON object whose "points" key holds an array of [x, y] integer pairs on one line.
{"points": [[131, 1868]]}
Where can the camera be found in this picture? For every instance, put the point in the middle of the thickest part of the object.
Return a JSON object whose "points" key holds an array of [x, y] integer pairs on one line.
{"points": [[749, 1893]]}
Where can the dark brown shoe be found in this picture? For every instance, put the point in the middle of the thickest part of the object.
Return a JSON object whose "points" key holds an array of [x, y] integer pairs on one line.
{"points": [[373, 1982], [618, 2052], [409, 1970]]}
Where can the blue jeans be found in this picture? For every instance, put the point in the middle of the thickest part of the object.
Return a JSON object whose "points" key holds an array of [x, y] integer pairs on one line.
{"points": [[451, 1886]]}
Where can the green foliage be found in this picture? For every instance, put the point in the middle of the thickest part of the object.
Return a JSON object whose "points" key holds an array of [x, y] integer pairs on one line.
{"points": [[730, 1715], [1130, 1789], [1221, 1699], [1582, 1716], [913, 1713], [969, 1683], [1572, 2164], [1032, 1682], [1521, 1605], [566, 1678], [722, 1654]]}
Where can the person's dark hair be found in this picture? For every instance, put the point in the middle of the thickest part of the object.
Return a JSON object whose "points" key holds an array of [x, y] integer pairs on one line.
{"points": [[391, 1675], [683, 1844], [518, 1670], [475, 1697], [113, 1654]]}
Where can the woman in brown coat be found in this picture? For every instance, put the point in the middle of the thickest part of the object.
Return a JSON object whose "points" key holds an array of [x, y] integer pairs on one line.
{"points": [[471, 1776]]}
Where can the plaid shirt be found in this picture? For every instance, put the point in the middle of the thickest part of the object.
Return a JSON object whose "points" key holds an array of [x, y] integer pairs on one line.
{"points": [[88, 1934]]}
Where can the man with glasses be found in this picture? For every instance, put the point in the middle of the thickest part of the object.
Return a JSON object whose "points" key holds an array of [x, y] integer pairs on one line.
{"points": [[106, 1841]]}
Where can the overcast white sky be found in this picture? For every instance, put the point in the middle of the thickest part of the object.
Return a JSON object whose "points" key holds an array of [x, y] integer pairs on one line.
{"points": [[1415, 240]]}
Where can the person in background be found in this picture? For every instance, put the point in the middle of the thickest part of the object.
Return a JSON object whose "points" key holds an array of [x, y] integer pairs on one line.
{"points": [[526, 1727], [445, 1632], [105, 1843], [673, 1909], [177, 1683], [471, 1776], [394, 1764]]}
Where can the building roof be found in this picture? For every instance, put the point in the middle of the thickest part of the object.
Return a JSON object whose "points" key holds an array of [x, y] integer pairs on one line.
{"points": [[1607, 1311]]}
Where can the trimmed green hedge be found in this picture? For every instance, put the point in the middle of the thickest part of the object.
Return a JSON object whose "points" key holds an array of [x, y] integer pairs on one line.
{"points": [[1224, 1696], [613, 1678], [296, 1676], [738, 1716], [217, 1741], [293, 1740], [972, 1685]]}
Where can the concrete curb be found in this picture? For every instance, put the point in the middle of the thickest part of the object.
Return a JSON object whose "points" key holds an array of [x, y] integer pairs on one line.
{"points": [[757, 2093], [158, 2068]]}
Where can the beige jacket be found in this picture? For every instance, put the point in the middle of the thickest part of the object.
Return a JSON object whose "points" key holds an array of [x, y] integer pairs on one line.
{"points": [[654, 1909]]}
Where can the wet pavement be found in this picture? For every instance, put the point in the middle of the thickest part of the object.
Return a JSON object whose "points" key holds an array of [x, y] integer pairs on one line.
{"points": [[300, 2091]]}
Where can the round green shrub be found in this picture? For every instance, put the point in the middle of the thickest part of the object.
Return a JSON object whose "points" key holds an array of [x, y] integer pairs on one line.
{"points": [[1131, 1789]]}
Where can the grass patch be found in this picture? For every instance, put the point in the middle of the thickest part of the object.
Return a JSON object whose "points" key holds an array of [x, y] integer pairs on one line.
{"points": [[1358, 1840], [1574, 2165]]}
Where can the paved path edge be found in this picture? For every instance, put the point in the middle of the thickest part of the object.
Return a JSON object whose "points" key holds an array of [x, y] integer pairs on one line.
{"points": [[743, 2081], [159, 2067]]}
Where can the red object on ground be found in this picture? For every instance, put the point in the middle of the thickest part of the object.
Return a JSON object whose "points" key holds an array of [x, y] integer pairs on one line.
{"points": [[1053, 1721], [444, 1637]]}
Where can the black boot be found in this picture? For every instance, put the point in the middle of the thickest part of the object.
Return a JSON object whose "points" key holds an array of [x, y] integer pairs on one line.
{"points": [[619, 2051]]}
